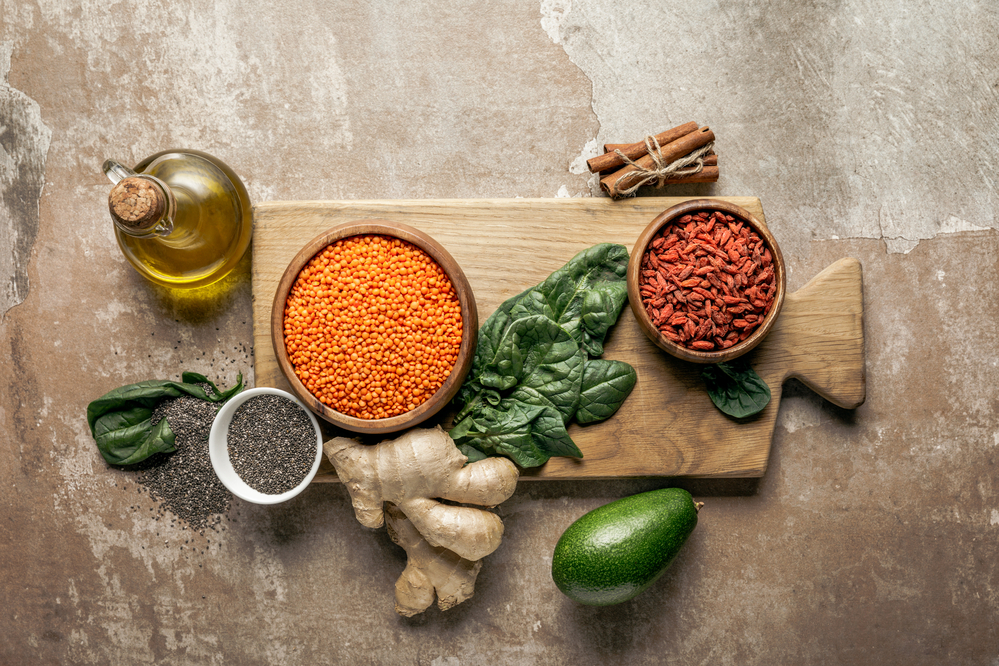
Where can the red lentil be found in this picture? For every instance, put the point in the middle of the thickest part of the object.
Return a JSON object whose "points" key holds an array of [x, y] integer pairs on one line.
{"points": [[707, 281], [372, 326]]}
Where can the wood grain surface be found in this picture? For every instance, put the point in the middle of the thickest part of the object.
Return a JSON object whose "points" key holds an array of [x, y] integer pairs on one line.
{"points": [[668, 426]]}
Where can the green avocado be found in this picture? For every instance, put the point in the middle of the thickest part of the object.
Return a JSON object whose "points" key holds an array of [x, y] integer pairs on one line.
{"points": [[616, 551]]}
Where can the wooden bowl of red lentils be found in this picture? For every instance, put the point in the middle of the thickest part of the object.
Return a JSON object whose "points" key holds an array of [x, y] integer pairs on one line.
{"points": [[374, 325], [706, 281]]}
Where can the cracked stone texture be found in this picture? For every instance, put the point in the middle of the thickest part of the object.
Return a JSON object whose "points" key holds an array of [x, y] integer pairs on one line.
{"points": [[867, 130]]}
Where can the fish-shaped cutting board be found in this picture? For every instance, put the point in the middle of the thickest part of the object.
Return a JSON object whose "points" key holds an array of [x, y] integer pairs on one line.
{"points": [[668, 425]]}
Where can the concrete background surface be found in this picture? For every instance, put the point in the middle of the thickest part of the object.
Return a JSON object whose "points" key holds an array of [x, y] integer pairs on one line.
{"points": [[868, 129]]}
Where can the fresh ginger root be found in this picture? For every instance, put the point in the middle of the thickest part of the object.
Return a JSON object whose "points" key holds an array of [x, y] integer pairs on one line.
{"points": [[413, 472], [429, 570]]}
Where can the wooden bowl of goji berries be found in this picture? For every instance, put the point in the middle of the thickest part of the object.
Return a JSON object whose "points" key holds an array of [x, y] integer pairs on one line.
{"points": [[374, 325], [706, 281]]}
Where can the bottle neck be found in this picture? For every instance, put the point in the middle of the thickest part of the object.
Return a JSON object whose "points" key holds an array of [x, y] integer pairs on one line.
{"points": [[142, 206]]}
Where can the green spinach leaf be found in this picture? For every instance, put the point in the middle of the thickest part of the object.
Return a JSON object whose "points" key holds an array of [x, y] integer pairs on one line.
{"points": [[121, 420], [544, 366], [507, 429], [470, 452], [522, 427], [490, 334], [606, 385], [584, 297], [527, 378], [538, 353], [548, 429], [736, 389], [129, 437]]}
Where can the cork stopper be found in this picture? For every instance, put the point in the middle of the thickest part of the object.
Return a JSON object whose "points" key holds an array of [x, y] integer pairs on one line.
{"points": [[137, 203]]}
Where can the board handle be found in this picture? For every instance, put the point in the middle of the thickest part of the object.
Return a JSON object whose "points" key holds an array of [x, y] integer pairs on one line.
{"points": [[821, 333]]}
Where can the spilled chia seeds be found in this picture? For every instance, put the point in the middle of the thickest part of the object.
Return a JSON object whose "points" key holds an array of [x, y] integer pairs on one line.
{"points": [[184, 482], [272, 443]]}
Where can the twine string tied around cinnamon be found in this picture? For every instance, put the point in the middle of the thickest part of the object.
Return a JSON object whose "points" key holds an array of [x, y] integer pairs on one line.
{"points": [[660, 172]]}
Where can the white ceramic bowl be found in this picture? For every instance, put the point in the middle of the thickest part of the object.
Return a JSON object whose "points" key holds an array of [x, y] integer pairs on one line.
{"points": [[218, 449]]}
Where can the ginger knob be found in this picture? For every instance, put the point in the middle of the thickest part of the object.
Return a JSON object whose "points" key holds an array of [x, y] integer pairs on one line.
{"points": [[137, 203]]}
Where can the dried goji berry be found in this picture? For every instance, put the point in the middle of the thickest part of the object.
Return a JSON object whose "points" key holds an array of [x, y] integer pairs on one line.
{"points": [[707, 280]]}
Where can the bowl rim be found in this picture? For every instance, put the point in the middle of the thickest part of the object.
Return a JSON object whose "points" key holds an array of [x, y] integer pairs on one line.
{"points": [[638, 308], [469, 324], [218, 450]]}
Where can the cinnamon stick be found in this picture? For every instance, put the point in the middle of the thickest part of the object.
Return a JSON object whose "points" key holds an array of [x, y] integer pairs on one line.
{"points": [[710, 159], [611, 160], [622, 179], [709, 174]]}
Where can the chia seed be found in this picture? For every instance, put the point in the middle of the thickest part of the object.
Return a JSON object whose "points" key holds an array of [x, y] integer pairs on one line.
{"points": [[184, 482], [272, 443]]}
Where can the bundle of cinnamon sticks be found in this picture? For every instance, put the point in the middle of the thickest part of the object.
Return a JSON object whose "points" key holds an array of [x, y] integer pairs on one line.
{"points": [[684, 154]]}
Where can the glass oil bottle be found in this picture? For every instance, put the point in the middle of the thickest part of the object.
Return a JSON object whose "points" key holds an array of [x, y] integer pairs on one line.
{"points": [[182, 217]]}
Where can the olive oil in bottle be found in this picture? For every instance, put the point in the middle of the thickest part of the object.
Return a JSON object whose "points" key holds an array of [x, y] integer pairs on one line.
{"points": [[182, 217]]}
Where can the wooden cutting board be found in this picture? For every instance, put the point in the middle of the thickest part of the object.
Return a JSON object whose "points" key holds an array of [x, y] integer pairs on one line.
{"points": [[668, 425]]}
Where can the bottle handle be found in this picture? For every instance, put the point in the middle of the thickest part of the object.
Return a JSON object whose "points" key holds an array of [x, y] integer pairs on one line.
{"points": [[116, 172]]}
